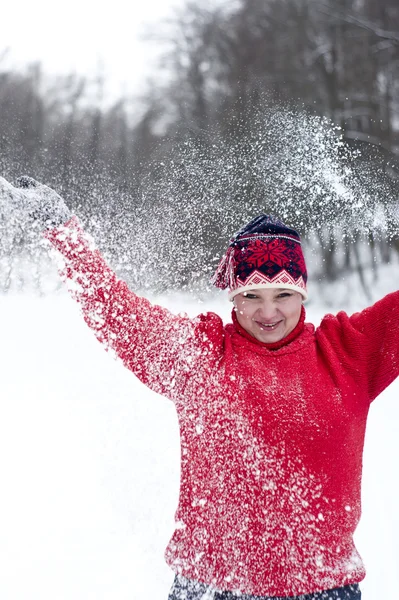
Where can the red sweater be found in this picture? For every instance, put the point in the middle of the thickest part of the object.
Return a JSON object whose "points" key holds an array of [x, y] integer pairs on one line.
{"points": [[271, 438]]}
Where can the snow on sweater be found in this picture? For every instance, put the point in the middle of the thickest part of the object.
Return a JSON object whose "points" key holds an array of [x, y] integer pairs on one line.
{"points": [[271, 439]]}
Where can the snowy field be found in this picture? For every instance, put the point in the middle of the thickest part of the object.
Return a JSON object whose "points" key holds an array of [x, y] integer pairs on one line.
{"points": [[90, 465]]}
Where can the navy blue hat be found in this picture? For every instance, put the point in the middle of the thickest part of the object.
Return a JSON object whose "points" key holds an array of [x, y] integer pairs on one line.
{"points": [[265, 253]]}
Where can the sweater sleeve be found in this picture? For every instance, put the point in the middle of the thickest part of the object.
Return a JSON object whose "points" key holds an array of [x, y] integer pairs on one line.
{"points": [[367, 343], [160, 348]]}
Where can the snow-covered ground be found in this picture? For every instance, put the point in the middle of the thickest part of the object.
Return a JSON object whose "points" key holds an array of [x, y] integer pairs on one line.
{"points": [[89, 465]]}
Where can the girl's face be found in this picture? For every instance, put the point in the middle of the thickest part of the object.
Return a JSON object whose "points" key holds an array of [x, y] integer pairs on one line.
{"points": [[268, 315]]}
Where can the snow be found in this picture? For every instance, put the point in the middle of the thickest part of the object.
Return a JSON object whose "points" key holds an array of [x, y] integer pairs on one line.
{"points": [[90, 464]]}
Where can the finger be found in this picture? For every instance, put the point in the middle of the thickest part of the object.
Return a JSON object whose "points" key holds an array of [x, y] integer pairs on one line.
{"points": [[7, 189], [26, 182], [9, 195], [4, 183]]}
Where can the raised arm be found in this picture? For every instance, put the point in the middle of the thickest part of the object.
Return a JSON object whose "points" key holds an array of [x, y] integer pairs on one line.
{"points": [[162, 349], [159, 347], [366, 343]]}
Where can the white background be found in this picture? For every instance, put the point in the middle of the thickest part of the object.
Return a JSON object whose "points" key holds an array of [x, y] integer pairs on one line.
{"points": [[87, 37]]}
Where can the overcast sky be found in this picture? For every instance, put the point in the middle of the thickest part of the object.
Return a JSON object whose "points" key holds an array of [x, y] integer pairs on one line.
{"points": [[78, 35]]}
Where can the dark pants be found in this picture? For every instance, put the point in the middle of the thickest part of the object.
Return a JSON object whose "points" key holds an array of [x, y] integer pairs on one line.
{"points": [[185, 589]]}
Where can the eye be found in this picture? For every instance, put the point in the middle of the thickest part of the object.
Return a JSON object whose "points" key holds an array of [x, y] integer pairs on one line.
{"points": [[250, 295], [284, 295]]}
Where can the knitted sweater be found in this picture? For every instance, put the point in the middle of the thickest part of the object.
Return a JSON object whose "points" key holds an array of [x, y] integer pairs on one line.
{"points": [[271, 438]]}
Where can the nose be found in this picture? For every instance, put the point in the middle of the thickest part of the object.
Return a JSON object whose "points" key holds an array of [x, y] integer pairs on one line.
{"points": [[267, 312]]}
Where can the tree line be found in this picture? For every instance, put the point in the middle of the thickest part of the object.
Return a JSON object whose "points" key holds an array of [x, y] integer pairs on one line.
{"points": [[282, 106]]}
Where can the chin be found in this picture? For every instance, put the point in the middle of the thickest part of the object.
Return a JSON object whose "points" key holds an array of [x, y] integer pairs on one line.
{"points": [[270, 339]]}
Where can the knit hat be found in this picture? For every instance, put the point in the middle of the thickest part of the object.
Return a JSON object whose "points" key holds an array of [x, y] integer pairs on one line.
{"points": [[265, 253]]}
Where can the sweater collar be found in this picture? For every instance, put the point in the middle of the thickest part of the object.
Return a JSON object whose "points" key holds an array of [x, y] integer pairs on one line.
{"points": [[299, 327]]}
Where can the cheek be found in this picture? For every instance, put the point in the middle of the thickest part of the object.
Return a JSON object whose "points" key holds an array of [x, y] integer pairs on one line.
{"points": [[243, 311], [294, 314]]}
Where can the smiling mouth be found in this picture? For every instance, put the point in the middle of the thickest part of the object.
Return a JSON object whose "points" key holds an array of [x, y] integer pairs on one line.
{"points": [[268, 326]]}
